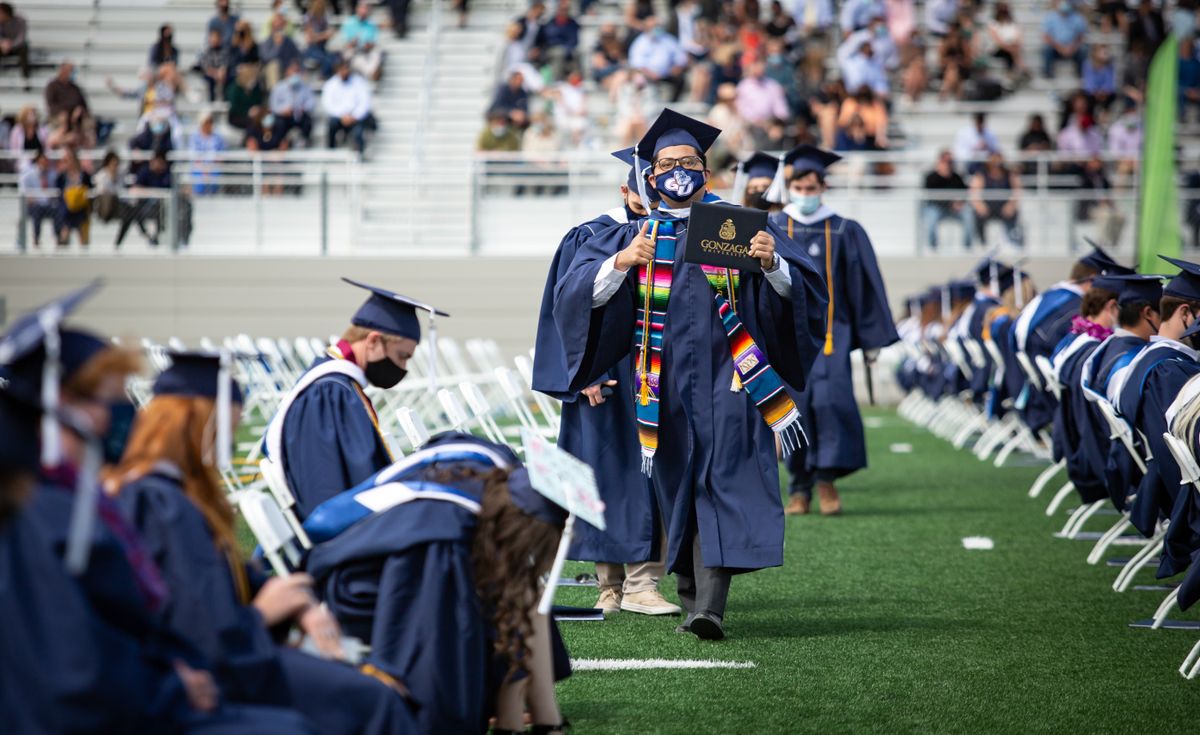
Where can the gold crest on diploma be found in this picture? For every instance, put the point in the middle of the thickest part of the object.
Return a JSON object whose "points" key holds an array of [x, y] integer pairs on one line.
{"points": [[727, 231], [718, 234]]}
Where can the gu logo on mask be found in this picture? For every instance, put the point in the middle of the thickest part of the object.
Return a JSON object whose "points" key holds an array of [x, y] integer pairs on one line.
{"points": [[679, 185]]}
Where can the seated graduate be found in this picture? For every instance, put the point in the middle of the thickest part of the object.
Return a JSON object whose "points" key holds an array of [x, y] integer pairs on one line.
{"points": [[85, 651], [1183, 420], [858, 318], [1047, 318], [168, 486], [326, 435], [988, 288], [707, 430], [1000, 325], [437, 562], [1080, 435], [602, 432]]}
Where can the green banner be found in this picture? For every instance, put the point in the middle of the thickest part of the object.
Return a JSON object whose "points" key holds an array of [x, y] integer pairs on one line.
{"points": [[1158, 205]]}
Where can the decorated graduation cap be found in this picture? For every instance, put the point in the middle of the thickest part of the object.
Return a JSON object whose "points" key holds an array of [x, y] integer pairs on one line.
{"points": [[1102, 262], [625, 155], [1134, 287], [1186, 285], [759, 166], [670, 129], [810, 159]]}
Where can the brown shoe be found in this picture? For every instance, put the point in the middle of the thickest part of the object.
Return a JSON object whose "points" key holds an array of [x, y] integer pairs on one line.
{"points": [[799, 505], [831, 504]]}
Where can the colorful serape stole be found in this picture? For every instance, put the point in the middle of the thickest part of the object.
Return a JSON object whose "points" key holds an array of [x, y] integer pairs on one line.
{"points": [[752, 370]]}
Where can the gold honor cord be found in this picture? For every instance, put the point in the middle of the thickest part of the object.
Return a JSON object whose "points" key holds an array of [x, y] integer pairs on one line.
{"points": [[648, 318], [828, 283]]}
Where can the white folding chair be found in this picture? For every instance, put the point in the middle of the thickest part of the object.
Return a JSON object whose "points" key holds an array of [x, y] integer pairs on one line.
{"points": [[413, 427], [1051, 380], [270, 527], [453, 408], [551, 409], [276, 482], [482, 411]]}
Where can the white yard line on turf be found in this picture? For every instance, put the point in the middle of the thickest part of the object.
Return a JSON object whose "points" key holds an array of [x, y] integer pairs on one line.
{"points": [[635, 664]]}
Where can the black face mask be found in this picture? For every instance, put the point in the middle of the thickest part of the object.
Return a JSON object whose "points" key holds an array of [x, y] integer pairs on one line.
{"points": [[120, 425], [384, 373], [758, 200]]}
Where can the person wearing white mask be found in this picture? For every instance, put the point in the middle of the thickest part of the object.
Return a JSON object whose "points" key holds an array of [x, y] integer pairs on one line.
{"points": [[859, 318], [292, 103]]}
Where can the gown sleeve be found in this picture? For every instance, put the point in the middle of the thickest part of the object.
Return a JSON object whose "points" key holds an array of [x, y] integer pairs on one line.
{"points": [[329, 443], [595, 340], [871, 317], [792, 331], [549, 361]]}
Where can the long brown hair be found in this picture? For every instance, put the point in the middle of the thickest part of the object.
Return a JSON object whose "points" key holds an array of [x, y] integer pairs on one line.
{"points": [[511, 552], [178, 429]]}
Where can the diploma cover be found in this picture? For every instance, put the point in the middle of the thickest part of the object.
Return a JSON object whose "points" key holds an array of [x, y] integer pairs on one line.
{"points": [[719, 235]]}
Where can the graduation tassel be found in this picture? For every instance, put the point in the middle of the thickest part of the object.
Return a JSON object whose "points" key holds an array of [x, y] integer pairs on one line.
{"points": [[224, 411], [1019, 295], [829, 284], [51, 439], [776, 192], [83, 511], [739, 184], [736, 383], [433, 379], [644, 393]]}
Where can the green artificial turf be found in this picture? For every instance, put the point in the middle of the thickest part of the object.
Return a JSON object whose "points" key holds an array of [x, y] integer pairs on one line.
{"points": [[880, 622]]}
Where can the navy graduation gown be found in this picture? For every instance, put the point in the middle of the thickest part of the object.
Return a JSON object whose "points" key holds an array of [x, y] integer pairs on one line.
{"points": [[604, 436], [715, 471], [329, 441], [1081, 435], [862, 320], [251, 667], [1050, 321], [981, 379], [1112, 461]]}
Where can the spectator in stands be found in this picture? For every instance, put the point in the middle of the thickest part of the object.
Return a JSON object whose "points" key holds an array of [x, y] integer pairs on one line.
{"points": [[156, 138], [106, 188], [71, 131], [1064, 31], [1102, 209], [951, 204], [782, 69], [74, 203], [1147, 26], [940, 15], [735, 137], [1082, 135], [514, 52], [28, 136], [346, 99], [558, 40], [541, 136], [278, 7], [244, 95], [1125, 142], [861, 68], [360, 41], [1100, 77], [975, 143], [151, 181], [883, 49], [915, 77], [637, 102], [1188, 79], [278, 51], [63, 96], [871, 112], [901, 24], [511, 96], [498, 135], [214, 64], [399, 13], [35, 181], [658, 55], [637, 12], [853, 137], [224, 22], [825, 106], [1035, 139], [955, 59], [760, 98], [1005, 36], [570, 108], [13, 42], [293, 103], [1183, 18], [813, 18], [205, 145], [691, 28], [779, 24], [244, 49], [317, 32], [995, 194], [164, 49], [528, 26], [608, 58], [858, 14]]}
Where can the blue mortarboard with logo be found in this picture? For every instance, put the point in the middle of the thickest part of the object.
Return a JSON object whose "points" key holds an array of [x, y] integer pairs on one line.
{"points": [[389, 312], [1134, 287], [1186, 285], [809, 158], [1103, 263], [625, 155]]}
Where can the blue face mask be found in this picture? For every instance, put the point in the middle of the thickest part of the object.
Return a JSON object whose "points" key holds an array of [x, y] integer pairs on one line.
{"points": [[679, 184], [158, 127], [119, 427], [807, 203]]}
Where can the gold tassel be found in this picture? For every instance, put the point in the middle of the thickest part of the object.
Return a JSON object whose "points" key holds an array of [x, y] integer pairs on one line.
{"points": [[644, 396], [829, 342]]}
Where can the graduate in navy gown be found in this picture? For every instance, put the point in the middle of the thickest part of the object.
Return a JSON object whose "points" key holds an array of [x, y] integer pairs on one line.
{"points": [[87, 652], [989, 279], [326, 434], [758, 182], [707, 432], [436, 561], [603, 433], [859, 318], [167, 485], [1046, 320]]}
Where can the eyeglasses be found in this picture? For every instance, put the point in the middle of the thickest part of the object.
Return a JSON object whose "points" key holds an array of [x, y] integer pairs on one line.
{"points": [[691, 163]]}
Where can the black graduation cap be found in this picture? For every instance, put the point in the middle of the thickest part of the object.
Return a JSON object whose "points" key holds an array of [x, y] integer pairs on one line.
{"points": [[195, 373], [1102, 262], [389, 312], [806, 158], [1186, 285], [625, 155], [759, 166], [960, 290], [931, 296], [673, 128], [1135, 287]]}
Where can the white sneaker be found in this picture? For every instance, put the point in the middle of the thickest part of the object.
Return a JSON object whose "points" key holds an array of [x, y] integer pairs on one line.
{"points": [[610, 600], [649, 602]]}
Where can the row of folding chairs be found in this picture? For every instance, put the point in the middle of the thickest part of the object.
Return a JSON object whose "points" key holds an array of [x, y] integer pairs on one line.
{"points": [[959, 421]]}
